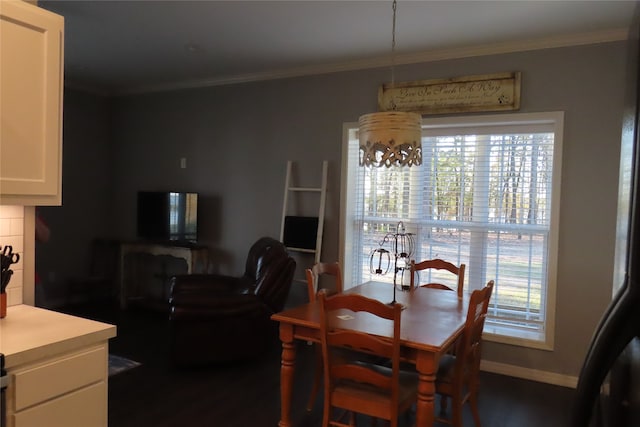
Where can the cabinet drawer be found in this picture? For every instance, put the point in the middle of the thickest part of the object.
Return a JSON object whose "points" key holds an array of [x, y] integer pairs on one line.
{"points": [[59, 376], [82, 408]]}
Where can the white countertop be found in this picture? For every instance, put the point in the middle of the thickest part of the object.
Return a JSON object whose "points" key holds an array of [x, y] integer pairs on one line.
{"points": [[29, 333]]}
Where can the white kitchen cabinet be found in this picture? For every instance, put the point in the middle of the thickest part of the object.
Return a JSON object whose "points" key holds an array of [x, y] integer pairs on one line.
{"points": [[70, 390], [57, 367], [31, 88]]}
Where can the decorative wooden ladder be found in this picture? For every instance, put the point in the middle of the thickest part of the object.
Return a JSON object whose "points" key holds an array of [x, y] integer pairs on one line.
{"points": [[293, 228]]}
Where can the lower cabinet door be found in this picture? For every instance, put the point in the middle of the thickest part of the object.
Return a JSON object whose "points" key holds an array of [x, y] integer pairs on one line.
{"points": [[86, 407]]}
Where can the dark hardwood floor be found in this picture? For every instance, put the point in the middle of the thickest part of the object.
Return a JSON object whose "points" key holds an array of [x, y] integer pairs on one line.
{"points": [[248, 394]]}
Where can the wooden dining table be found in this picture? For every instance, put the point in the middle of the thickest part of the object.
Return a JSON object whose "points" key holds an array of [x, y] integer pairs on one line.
{"points": [[432, 320]]}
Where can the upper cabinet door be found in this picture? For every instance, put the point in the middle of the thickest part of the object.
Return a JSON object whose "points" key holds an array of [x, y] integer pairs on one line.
{"points": [[31, 72]]}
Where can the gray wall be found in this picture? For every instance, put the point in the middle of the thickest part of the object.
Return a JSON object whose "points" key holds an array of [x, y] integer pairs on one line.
{"points": [[238, 138], [86, 209]]}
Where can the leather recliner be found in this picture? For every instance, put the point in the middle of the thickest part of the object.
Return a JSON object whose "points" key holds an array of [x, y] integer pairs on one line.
{"points": [[218, 318]]}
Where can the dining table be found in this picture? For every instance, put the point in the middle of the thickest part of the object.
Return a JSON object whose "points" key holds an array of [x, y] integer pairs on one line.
{"points": [[431, 322]]}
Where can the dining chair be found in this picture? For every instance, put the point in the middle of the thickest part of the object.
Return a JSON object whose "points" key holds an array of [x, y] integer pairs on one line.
{"points": [[458, 374], [314, 274], [321, 270], [355, 386], [438, 264]]}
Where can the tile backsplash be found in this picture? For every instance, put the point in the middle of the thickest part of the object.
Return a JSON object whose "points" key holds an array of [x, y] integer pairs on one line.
{"points": [[12, 233]]}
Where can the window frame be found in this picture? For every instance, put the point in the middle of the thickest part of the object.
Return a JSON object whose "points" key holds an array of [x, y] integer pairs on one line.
{"points": [[541, 340]]}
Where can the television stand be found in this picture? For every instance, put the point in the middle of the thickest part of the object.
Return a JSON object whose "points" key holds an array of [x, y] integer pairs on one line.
{"points": [[145, 267], [184, 244]]}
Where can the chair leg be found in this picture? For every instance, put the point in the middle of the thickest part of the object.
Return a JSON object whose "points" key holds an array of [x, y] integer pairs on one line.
{"points": [[473, 402], [317, 378], [456, 412], [326, 414], [474, 386]]}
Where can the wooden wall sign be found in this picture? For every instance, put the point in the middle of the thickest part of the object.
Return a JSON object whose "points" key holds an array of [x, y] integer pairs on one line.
{"points": [[489, 92]]}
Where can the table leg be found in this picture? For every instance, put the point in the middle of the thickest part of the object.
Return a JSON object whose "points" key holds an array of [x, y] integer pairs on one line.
{"points": [[287, 369], [426, 367]]}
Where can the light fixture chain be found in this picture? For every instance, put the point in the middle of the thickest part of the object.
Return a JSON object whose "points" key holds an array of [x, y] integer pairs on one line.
{"points": [[393, 44]]}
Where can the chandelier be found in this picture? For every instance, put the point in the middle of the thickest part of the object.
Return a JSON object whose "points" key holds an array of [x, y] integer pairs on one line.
{"points": [[402, 246], [392, 137]]}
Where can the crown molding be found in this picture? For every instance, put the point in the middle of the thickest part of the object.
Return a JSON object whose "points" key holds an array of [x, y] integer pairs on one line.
{"points": [[427, 56]]}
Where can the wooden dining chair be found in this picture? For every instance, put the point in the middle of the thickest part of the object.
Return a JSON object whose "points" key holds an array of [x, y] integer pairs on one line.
{"points": [[321, 270], [360, 387], [318, 272], [438, 264], [458, 375]]}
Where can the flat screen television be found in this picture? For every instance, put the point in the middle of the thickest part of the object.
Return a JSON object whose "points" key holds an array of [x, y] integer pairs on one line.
{"points": [[167, 216]]}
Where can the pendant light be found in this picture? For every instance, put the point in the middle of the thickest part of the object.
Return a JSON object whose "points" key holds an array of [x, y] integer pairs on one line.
{"points": [[392, 137]]}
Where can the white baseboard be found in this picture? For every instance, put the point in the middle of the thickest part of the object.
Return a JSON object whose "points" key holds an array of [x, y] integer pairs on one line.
{"points": [[529, 374]]}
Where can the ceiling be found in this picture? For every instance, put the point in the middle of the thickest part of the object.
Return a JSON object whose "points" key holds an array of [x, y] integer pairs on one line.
{"points": [[117, 47]]}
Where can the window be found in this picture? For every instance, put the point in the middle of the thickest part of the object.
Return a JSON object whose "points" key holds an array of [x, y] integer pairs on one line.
{"points": [[487, 195]]}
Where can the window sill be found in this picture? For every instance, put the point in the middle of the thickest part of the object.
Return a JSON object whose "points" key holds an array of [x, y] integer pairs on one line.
{"points": [[512, 336]]}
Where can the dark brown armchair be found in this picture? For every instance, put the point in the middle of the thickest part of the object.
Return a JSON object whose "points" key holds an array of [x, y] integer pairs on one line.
{"points": [[216, 318]]}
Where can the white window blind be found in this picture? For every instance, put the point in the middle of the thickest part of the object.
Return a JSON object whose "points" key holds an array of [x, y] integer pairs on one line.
{"points": [[484, 196]]}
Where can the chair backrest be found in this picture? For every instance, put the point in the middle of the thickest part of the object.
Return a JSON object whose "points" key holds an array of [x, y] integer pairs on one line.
{"points": [[271, 269], [438, 264], [336, 369], [469, 346], [318, 270]]}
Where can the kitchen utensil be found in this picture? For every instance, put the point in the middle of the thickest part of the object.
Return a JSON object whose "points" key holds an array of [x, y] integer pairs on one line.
{"points": [[8, 257], [5, 277], [4, 263]]}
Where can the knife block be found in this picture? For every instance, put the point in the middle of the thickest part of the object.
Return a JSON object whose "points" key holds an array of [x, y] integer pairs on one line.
{"points": [[3, 304]]}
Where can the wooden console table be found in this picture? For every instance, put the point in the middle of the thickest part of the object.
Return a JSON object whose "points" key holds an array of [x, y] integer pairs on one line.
{"points": [[132, 274]]}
